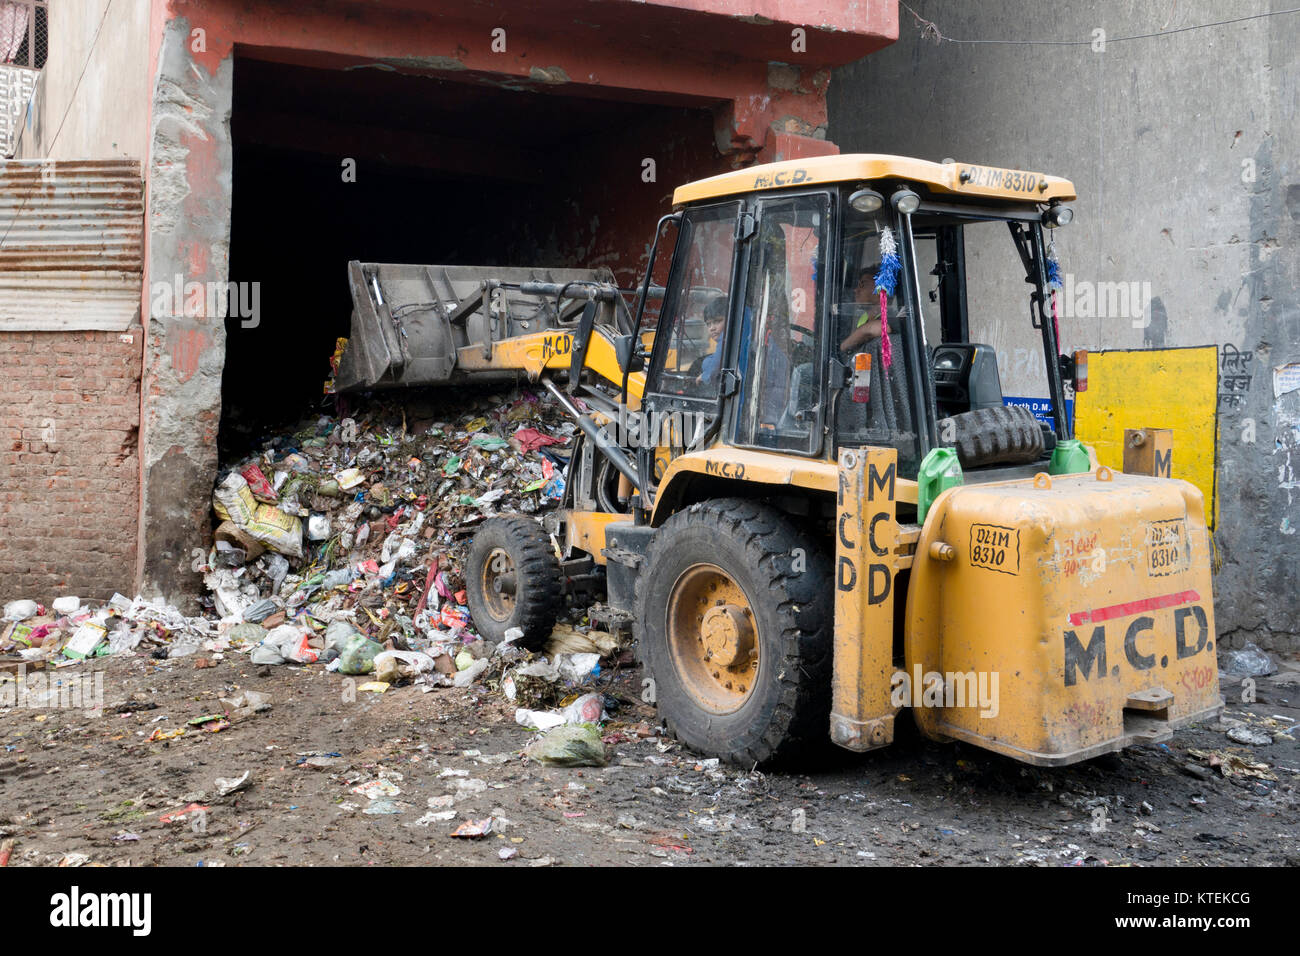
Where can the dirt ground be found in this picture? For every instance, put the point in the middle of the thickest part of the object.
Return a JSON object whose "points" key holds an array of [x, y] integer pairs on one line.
{"points": [[80, 789]]}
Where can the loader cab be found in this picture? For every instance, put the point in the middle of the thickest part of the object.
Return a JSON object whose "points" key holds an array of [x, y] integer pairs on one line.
{"points": [[772, 311], [741, 335]]}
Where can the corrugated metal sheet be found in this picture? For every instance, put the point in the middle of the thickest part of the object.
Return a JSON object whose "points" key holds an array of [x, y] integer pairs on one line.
{"points": [[71, 244]]}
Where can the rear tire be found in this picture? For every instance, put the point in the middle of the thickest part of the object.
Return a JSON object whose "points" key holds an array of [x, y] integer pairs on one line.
{"points": [[1009, 434], [763, 692], [512, 579]]}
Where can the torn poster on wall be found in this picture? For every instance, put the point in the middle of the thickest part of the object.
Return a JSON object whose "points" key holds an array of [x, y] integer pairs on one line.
{"points": [[1286, 378]]}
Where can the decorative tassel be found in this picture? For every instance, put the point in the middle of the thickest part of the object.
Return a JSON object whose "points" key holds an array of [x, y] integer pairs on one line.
{"points": [[1054, 283], [886, 283]]}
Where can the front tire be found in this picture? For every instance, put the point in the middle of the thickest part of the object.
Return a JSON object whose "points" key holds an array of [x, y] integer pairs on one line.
{"points": [[735, 615], [512, 579]]}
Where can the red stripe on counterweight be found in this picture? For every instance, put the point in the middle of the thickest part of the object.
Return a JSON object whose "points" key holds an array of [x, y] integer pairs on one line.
{"points": [[1133, 607]]}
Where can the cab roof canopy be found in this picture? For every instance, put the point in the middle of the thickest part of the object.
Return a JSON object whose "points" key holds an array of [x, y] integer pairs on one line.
{"points": [[959, 179]]}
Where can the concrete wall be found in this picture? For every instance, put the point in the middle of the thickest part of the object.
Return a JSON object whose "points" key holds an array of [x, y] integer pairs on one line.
{"points": [[1184, 151], [104, 113], [188, 229]]}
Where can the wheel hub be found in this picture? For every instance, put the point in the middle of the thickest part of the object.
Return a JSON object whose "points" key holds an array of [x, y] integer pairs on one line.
{"points": [[728, 634], [499, 584], [712, 638]]}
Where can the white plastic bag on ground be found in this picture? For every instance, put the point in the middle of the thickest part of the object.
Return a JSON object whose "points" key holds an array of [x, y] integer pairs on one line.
{"points": [[471, 673], [20, 610], [576, 667], [541, 719], [392, 666], [543, 669], [289, 643], [587, 709]]}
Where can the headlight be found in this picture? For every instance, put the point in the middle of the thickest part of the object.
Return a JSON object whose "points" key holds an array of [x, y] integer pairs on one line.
{"points": [[906, 201], [1057, 216], [866, 200]]}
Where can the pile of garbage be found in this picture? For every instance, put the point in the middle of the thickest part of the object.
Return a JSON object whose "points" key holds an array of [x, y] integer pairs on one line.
{"points": [[341, 543], [68, 630]]}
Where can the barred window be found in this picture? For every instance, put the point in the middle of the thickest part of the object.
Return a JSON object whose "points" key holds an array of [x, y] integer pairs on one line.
{"points": [[24, 32]]}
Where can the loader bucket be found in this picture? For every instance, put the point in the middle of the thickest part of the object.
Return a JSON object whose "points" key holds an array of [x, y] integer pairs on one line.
{"points": [[410, 321]]}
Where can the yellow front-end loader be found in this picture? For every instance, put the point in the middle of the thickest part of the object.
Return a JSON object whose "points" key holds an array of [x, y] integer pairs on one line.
{"points": [[801, 485]]}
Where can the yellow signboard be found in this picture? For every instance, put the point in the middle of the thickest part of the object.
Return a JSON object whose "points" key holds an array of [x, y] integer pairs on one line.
{"points": [[1155, 388]]}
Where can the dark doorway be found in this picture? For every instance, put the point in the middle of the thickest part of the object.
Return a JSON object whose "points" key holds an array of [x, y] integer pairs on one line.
{"points": [[445, 172]]}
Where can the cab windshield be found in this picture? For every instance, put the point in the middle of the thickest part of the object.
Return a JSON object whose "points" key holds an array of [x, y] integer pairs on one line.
{"points": [[888, 416], [978, 283]]}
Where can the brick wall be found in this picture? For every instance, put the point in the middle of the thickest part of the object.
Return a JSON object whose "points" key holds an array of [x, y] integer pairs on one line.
{"points": [[69, 469]]}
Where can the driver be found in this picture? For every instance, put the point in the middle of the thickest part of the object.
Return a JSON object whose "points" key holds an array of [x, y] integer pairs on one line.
{"points": [[715, 320], [868, 323]]}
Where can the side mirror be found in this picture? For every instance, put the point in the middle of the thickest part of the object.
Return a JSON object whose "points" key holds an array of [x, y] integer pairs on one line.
{"points": [[629, 355]]}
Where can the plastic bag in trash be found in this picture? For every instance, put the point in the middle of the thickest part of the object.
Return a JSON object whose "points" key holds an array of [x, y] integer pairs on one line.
{"points": [[244, 634], [1250, 661], [289, 643], [260, 611], [358, 655], [541, 719], [318, 527], [257, 484], [396, 548], [21, 610], [277, 568], [124, 638], [276, 529], [569, 746], [470, 674], [337, 636], [394, 666], [339, 578], [577, 667], [233, 500], [587, 709]]}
